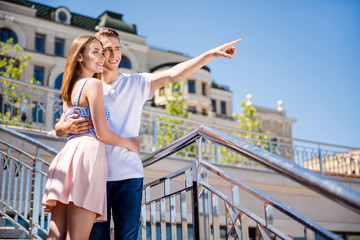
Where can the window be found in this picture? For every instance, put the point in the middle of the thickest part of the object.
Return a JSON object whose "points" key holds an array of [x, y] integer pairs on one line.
{"points": [[213, 104], [192, 110], [39, 74], [223, 107], [6, 33], [125, 62], [191, 86], [62, 16], [59, 47], [58, 81], [40, 42], [203, 85], [204, 112]]}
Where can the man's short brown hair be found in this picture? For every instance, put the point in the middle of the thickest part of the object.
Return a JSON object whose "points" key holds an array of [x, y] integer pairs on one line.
{"points": [[107, 32]]}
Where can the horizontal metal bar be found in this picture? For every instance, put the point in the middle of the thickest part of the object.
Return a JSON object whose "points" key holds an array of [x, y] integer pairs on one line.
{"points": [[170, 176], [165, 196], [243, 210], [27, 84], [17, 160], [30, 140], [172, 148], [331, 189]]}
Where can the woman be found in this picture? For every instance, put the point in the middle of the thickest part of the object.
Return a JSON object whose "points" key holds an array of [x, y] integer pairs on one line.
{"points": [[75, 190]]}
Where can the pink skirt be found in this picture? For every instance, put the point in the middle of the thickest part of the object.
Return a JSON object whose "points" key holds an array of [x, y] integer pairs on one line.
{"points": [[78, 175]]}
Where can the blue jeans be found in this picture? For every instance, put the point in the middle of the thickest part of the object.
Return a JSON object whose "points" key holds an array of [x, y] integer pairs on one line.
{"points": [[124, 201]]}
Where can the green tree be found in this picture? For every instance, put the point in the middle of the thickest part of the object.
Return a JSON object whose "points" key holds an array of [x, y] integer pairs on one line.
{"points": [[175, 101], [247, 121], [13, 62], [171, 129]]}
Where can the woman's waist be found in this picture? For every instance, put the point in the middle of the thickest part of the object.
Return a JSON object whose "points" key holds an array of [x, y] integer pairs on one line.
{"points": [[90, 134], [82, 111]]}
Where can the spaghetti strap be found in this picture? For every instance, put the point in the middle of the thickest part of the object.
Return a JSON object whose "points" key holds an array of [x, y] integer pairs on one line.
{"points": [[79, 92]]}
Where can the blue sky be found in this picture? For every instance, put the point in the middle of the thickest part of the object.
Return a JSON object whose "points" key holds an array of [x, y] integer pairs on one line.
{"points": [[305, 53]]}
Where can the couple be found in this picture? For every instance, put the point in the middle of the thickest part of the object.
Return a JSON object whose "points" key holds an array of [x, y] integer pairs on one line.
{"points": [[88, 180]]}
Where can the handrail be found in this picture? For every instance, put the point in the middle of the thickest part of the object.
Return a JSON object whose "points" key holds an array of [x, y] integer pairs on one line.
{"points": [[277, 204], [331, 189], [27, 84], [31, 140], [196, 121]]}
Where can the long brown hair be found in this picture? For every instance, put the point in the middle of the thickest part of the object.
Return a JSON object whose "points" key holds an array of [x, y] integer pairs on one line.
{"points": [[72, 65]]}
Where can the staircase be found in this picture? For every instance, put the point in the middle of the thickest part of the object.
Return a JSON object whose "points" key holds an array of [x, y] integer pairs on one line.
{"points": [[190, 196], [9, 231]]}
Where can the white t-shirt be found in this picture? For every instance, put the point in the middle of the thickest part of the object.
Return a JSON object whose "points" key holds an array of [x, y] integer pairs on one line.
{"points": [[125, 98]]}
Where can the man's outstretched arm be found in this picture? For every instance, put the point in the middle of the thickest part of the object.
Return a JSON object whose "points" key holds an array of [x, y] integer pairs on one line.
{"points": [[183, 70], [73, 125]]}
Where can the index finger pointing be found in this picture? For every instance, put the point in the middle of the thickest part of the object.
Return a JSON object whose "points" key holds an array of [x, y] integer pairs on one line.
{"points": [[234, 42]]}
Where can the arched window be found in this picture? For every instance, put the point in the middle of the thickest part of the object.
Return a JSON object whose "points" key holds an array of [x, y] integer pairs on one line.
{"points": [[58, 81], [125, 62], [6, 33]]}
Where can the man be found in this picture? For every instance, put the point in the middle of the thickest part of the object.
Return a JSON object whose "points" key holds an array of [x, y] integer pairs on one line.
{"points": [[125, 96]]}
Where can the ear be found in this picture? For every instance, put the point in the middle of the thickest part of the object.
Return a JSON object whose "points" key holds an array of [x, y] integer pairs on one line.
{"points": [[80, 58]]}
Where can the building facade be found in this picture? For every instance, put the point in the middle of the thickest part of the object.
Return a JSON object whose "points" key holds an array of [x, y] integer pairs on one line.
{"points": [[46, 33]]}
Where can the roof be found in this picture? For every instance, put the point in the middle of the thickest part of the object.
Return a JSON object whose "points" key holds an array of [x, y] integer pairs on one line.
{"points": [[106, 19]]}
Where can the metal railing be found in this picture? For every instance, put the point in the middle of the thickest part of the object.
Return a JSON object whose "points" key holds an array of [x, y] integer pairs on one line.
{"points": [[203, 199], [23, 178], [41, 106], [29, 105]]}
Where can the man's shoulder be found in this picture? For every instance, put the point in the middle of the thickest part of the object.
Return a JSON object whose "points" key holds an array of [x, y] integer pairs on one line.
{"points": [[133, 75]]}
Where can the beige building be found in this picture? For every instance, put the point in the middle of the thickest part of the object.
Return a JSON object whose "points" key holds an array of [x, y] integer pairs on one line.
{"points": [[46, 33]]}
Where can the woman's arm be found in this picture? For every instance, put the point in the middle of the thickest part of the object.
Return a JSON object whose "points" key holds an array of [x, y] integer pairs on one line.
{"points": [[93, 91], [73, 125]]}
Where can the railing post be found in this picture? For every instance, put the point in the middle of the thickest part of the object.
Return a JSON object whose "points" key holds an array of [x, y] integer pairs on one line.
{"points": [[205, 206], [215, 216], [269, 217], [270, 144], [35, 195], [195, 199], [9, 177], [49, 113], [155, 137], [320, 160], [183, 206], [203, 196], [217, 160]]}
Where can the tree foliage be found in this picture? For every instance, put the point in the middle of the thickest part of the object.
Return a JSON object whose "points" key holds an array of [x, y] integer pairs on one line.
{"points": [[253, 134], [171, 129], [13, 62], [175, 101]]}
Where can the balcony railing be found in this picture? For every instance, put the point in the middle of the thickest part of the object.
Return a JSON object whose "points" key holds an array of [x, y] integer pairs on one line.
{"points": [[37, 107]]}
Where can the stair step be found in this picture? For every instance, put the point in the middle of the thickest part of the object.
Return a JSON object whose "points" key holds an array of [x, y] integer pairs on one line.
{"points": [[11, 233], [2, 222]]}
